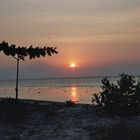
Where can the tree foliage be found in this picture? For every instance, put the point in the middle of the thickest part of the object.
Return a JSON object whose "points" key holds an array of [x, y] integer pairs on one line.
{"points": [[19, 53], [22, 52], [123, 97]]}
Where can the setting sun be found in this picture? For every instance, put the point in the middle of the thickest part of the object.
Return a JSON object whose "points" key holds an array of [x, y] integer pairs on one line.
{"points": [[72, 65]]}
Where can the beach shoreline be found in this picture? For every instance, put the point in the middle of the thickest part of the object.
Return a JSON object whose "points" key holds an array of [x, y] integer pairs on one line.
{"points": [[53, 120]]}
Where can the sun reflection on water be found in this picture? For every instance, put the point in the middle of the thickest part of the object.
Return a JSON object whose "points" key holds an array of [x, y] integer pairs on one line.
{"points": [[74, 94]]}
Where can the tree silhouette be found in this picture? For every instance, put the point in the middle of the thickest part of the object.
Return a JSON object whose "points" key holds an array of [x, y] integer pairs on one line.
{"points": [[19, 53], [119, 98]]}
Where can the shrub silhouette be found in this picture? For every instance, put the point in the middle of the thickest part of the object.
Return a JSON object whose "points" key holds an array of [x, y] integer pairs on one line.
{"points": [[70, 103], [19, 53], [120, 98]]}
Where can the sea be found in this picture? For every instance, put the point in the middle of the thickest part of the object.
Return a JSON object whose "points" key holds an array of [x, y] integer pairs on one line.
{"points": [[79, 90]]}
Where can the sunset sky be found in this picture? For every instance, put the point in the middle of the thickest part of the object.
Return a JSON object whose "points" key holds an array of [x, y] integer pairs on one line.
{"points": [[101, 37]]}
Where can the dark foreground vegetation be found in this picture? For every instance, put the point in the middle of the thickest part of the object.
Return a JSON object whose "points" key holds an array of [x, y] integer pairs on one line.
{"points": [[44, 120], [122, 98]]}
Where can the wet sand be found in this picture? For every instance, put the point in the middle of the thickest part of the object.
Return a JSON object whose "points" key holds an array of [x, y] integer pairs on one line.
{"points": [[45, 120]]}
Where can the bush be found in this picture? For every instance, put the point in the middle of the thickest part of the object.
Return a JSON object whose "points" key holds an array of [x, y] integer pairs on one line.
{"points": [[120, 98], [70, 103]]}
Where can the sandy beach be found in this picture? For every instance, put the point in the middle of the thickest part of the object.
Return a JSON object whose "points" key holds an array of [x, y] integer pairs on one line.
{"points": [[45, 120]]}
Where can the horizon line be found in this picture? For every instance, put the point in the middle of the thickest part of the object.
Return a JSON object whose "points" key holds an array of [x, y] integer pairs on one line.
{"points": [[69, 77]]}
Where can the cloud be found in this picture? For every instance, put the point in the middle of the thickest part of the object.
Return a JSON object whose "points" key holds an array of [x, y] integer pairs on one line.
{"points": [[92, 32]]}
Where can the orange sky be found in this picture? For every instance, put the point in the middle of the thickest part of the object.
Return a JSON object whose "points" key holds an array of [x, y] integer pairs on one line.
{"points": [[97, 35]]}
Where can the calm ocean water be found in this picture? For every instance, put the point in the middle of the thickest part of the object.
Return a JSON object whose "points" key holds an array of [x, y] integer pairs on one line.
{"points": [[59, 89]]}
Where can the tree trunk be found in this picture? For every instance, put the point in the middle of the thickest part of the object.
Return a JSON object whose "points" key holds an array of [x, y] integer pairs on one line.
{"points": [[17, 79]]}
